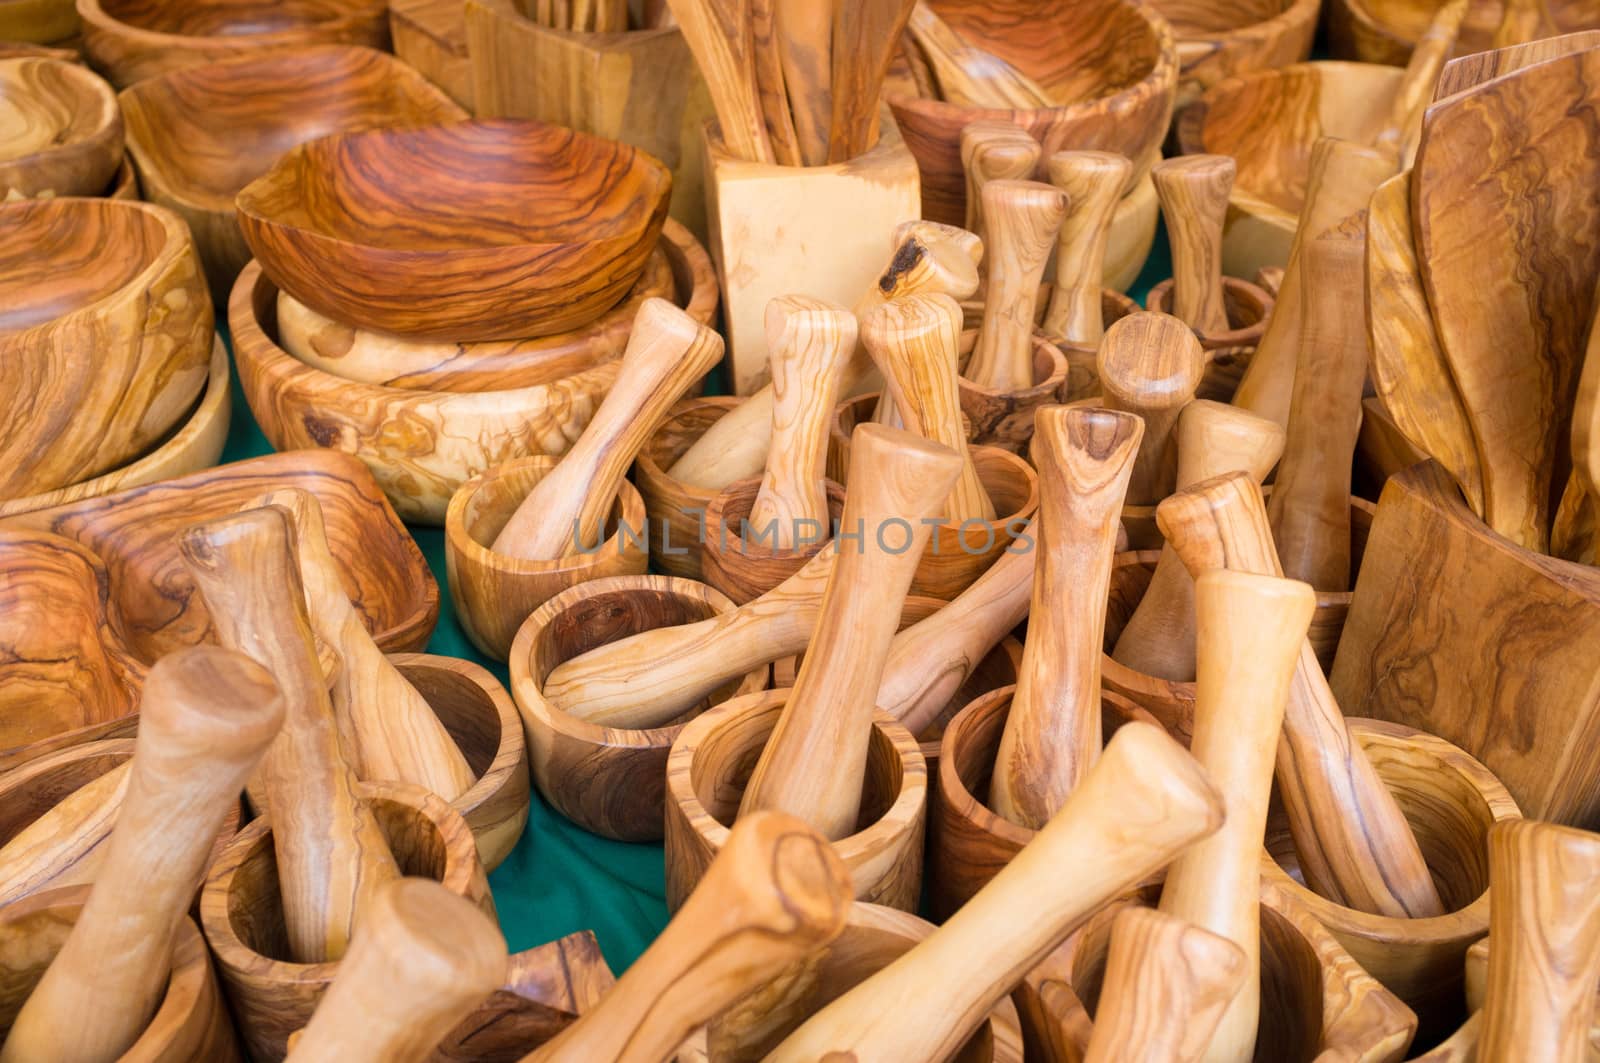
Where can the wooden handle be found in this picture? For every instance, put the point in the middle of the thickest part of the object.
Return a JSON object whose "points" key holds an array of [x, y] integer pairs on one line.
{"points": [[423, 958], [915, 342], [994, 150], [771, 94], [1023, 218], [719, 35], [969, 76], [1399, 138], [1250, 630], [1354, 843], [869, 32], [1052, 735], [66, 845], [1194, 190], [1166, 985], [805, 49], [1150, 365], [814, 762], [1521, 21], [331, 854], [206, 717], [1093, 182], [1142, 803], [775, 893]]}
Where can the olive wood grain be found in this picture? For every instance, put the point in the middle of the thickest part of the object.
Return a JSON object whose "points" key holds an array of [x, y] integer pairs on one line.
{"points": [[1522, 21], [1022, 219], [1194, 193], [1093, 182], [994, 151], [1150, 365], [805, 50], [771, 94], [1400, 136], [1463, 72], [66, 845], [1586, 444], [64, 132], [967, 74], [720, 35], [870, 33]]}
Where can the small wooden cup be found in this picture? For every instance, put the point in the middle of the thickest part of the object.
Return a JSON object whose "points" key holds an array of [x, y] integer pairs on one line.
{"points": [[1005, 418], [710, 765], [1228, 353], [494, 593], [610, 781], [676, 511], [744, 566]]}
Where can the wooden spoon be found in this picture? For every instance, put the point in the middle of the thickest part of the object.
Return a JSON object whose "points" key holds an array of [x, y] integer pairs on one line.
{"points": [[1193, 190], [1023, 218], [1150, 365], [720, 36], [206, 717], [813, 764], [65, 846], [1093, 182], [1143, 802], [994, 150], [805, 48], [1052, 734], [667, 352], [1399, 137], [868, 32]]}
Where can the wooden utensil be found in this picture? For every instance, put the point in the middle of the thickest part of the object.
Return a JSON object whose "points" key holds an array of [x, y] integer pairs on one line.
{"points": [[1399, 137], [805, 49], [775, 892], [1022, 218], [206, 718], [421, 960], [994, 150], [1354, 844], [771, 95], [1093, 182], [1466, 71], [331, 854], [867, 32], [719, 34], [1250, 631], [967, 74], [1142, 802], [1194, 200], [1150, 365], [1053, 734], [812, 765]]}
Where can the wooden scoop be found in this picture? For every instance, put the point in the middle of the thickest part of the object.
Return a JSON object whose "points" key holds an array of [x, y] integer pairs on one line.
{"points": [[814, 762], [720, 36], [1053, 735], [967, 75], [1166, 985], [1023, 218], [915, 342], [1141, 804], [1193, 190], [66, 845], [1213, 439], [1150, 365], [1354, 844], [811, 342], [1250, 631], [994, 150], [422, 959], [331, 854], [1399, 137], [776, 892], [1093, 182], [206, 717]]}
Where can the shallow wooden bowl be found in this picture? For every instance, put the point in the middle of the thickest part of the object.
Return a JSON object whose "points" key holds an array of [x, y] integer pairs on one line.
{"points": [[105, 333], [1005, 418], [1385, 31], [610, 781], [63, 130], [38, 21], [676, 510], [1221, 40], [199, 134], [498, 229], [710, 766], [130, 40], [1269, 121], [743, 564]]}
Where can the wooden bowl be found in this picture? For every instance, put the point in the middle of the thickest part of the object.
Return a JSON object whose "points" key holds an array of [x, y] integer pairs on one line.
{"points": [[675, 510], [514, 228], [710, 765], [124, 183], [1269, 121], [1217, 41], [199, 134], [1228, 353], [610, 781], [242, 913], [1385, 31], [95, 374], [422, 445], [744, 565], [38, 21], [1005, 418], [130, 40], [14, 49], [63, 130]]}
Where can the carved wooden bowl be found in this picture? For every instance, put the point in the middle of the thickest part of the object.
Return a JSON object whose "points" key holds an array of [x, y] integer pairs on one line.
{"points": [[744, 564], [499, 229], [858, 410], [710, 765], [1082, 379], [95, 372], [130, 40], [1005, 418], [675, 509], [1385, 31], [38, 21], [199, 134], [1228, 353], [13, 49], [1220, 40], [63, 132], [610, 781]]}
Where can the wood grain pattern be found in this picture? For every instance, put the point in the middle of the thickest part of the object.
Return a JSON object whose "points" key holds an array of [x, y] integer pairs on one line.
{"points": [[805, 49], [1005, 418], [1150, 366], [719, 34], [1400, 136], [43, 21], [993, 151], [1465, 71], [1093, 182], [1374, 31], [771, 96], [737, 555], [674, 507], [63, 132], [967, 74], [872, 30], [65, 804], [430, 36], [1216, 42], [1022, 219], [1194, 197]]}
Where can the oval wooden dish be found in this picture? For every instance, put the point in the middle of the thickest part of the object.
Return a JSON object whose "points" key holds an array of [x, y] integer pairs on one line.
{"points": [[201, 133], [1221, 40], [1385, 31], [399, 229], [63, 130]]}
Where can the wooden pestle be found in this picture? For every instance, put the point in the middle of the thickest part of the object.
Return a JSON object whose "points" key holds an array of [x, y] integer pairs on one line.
{"points": [[1023, 218], [1250, 630], [1354, 843], [776, 892], [397, 736], [915, 342], [967, 75], [1093, 182], [811, 342], [421, 960], [206, 717], [1150, 365], [66, 845], [331, 854], [1342, 177], [1310, 505], [667, 352], [1194, 190], [1165, 987], [1143, 802], [1213, 439], [1399, 138], [994, 150], [813, 764], [1052, 734]]}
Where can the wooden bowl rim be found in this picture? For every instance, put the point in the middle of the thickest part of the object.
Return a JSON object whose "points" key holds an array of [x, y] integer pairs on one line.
{"points": [[713, 541], [652, 478], [1248, 335], [1042, 343], [93, 13], [1293, 12], [106, 135], [1018, 469]]}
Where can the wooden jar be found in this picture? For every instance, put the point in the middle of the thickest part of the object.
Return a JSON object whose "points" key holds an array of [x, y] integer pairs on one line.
{"points": [[676, 511], [1227, 353], [610, 781], [746, 566], [1005, 418]]}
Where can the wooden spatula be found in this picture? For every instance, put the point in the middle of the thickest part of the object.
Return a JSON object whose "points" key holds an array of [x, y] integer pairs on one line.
{"points": [[771, 94], [866, 34], [721, 38], [805, 48]]}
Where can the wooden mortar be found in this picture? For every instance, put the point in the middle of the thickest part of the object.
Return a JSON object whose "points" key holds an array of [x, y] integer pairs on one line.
{"points": [[1004, 418], [744, 564], [674, 509]]}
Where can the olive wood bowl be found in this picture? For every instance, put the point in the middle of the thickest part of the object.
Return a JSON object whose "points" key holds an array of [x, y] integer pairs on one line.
{"points": [[63, 130], [1228, 353], [675, 510], [743, 563], [1005, 418], [15, 49], [1222, 40], [1385, 31], [38, 21]]}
